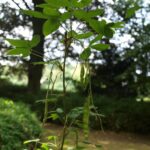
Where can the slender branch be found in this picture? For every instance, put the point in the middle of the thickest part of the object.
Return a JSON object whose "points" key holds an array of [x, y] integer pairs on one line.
{"points": [[72, 74], [16, 4], [38, 54], [53, 83], [27, 6], [92, 101], [64, 134], [64, 63], [64, 74], [46, 99]]}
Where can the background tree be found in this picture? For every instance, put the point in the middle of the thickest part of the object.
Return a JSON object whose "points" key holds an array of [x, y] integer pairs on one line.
{"points": [[12, 19], [117, 71], [35, 71], [108, 67]]}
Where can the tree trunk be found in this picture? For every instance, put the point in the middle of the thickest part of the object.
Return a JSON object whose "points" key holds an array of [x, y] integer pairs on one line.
{"points": [[35, 71]]}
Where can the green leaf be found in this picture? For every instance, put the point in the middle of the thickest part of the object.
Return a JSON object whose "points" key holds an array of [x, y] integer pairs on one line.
{"points": [[19, 51], [85, 54], [109, 28], [19, 43], [50, 26], [54, 116], [98, 26], [31, 141], [85, 2], [44, 5], [80, 14], [94, 13], [52, 138], [84, 35], [51, 11], [45, 146], [100, 47], [94, 24], [75, 3], [35, 14], [108, 32], [65, 16], [35, 41], [82, 73], [131, 11], [97, 38], [75, 112], [51, 100], [71, 33], [116, 25], [58, 3]]}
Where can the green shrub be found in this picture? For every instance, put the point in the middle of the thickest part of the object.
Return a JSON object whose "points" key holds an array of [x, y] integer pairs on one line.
{"points": [[17, 124], [119, 114], [4, 82], [123, 115]]}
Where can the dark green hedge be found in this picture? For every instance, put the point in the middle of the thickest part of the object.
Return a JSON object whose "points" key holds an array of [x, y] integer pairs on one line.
{"points": [[17, 124]]}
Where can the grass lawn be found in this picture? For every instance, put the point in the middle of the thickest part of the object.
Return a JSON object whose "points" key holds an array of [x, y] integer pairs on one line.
{"points": [[109, 140]]}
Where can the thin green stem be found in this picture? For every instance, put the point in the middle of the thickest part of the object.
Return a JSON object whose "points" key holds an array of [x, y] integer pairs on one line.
{"points": [[64, 72], [72, 74], [46, 99]]}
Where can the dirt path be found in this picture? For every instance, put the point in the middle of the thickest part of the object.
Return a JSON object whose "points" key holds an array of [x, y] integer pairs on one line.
{"points": [[108, 140]]}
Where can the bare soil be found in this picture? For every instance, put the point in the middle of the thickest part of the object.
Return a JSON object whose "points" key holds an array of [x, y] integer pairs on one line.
{"points": [[108, 139]]}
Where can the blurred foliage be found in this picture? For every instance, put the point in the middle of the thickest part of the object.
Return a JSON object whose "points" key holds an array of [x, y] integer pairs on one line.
{"points": [[123, 70], [114, 71], [17, 124], [124, 115], [115, 75], [118, 113]]}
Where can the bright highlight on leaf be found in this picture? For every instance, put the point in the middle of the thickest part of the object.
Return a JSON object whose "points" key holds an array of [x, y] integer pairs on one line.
{"points": [[116, 25], [19, 51], [31, 141], [18, 43]]}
